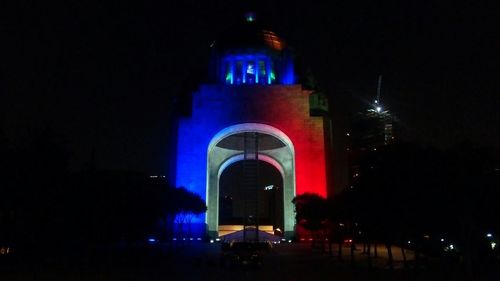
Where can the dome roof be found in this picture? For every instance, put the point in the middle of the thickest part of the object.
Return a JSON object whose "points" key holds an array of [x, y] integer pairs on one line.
{"points": [[248, 35]]}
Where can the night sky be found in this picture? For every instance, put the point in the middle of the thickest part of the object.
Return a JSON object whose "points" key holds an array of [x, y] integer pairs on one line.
{"points": [[105, 75]]}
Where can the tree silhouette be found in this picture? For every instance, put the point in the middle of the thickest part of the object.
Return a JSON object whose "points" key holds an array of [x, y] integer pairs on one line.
{"points": [[311, 213], [411, 196], [187, 205]]}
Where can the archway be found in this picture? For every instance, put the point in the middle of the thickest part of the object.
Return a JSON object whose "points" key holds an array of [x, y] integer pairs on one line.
{"points": [[272, 147], [234, 202]]}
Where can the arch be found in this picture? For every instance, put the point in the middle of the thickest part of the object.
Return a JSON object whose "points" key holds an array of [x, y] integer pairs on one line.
{"points": [[232, 198], [251, 127], [218, 159]]}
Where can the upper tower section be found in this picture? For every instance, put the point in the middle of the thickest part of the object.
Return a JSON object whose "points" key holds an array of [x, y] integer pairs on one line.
{"points": [[251, 54]]}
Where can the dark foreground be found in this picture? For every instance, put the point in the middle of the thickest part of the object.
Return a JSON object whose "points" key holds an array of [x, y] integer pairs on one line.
{"points": [[201, 261]]}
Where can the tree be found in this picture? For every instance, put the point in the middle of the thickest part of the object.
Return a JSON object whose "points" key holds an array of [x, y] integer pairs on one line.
{"points": [[188, 204], [310, 212], [409, 193]]}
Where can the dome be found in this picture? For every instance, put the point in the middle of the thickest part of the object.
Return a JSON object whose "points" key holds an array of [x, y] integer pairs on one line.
{"points": [[249, 53], [249, 35]]}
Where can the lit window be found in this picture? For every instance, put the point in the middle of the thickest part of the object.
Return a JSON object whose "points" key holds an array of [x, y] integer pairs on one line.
{"points": [[271, 78], [238, 72], [250, 73], [250, 68], [261, 71], [228, 73]]}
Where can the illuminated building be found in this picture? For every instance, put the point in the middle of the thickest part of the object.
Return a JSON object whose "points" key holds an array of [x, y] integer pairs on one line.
{"points": [[252, 116], [370, 129]]}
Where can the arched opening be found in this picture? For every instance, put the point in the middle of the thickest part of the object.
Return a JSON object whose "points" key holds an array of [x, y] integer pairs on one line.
{"points": [[238, 197], [245, 143]]}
